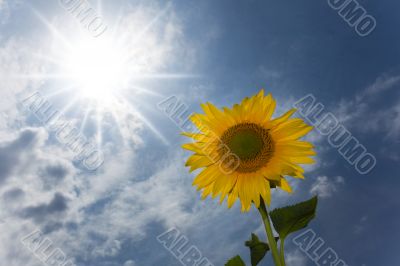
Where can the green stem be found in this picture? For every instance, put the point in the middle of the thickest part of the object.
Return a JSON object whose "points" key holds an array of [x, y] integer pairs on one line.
{"points": [[271, 239], [282, 251]]}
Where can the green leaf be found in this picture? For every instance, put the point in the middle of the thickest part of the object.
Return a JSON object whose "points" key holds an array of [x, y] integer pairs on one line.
{"points": [[236, 261], [258, 249], [293, 218]]}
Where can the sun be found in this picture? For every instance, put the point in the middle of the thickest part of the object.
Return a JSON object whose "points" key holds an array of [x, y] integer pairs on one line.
{"points": [[130, 58], [96, 68], [106, 80]]}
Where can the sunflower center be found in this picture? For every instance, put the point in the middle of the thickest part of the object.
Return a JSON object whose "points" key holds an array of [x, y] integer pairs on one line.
{"points": [[252, 144], [246, 144]]}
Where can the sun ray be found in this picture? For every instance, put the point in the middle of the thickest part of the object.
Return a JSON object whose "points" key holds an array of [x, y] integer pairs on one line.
{"points": [[153, 129], [52, 29], [85, 118], [99, 136], [68, 106], [139, 89], [142, 33], [58, 92], [38, 76], [152, 22], [164, 76], [100, 71], [118, 122], [47, 58], [116, 25]]}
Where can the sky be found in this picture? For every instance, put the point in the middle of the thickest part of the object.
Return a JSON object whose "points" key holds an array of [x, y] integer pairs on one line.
{"points": [[102, 77]]}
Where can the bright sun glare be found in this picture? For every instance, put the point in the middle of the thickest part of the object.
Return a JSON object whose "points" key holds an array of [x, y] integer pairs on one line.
{"points": [[99, 76], [97, 68]]}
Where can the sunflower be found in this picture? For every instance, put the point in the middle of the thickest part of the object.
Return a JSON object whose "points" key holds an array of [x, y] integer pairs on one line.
{"points": [[244, 153]]}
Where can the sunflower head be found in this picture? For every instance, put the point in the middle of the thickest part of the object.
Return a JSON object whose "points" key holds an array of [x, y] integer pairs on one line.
{"points": [[243, 152]]}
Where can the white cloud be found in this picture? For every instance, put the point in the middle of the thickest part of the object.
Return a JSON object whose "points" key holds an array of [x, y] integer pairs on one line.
{"points": [[129, 263], [361, 225], [325, 187], [363, 114], [16, 62], [382, 84], [26, 202], [296, 258], [268, 74], [44, 191]]}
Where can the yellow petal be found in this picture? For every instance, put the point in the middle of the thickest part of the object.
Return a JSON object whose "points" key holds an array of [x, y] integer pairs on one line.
{"points": [[285, 186]]}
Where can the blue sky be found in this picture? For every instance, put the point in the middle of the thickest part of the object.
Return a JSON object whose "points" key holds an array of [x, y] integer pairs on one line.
{"points": [[195, 51]]}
